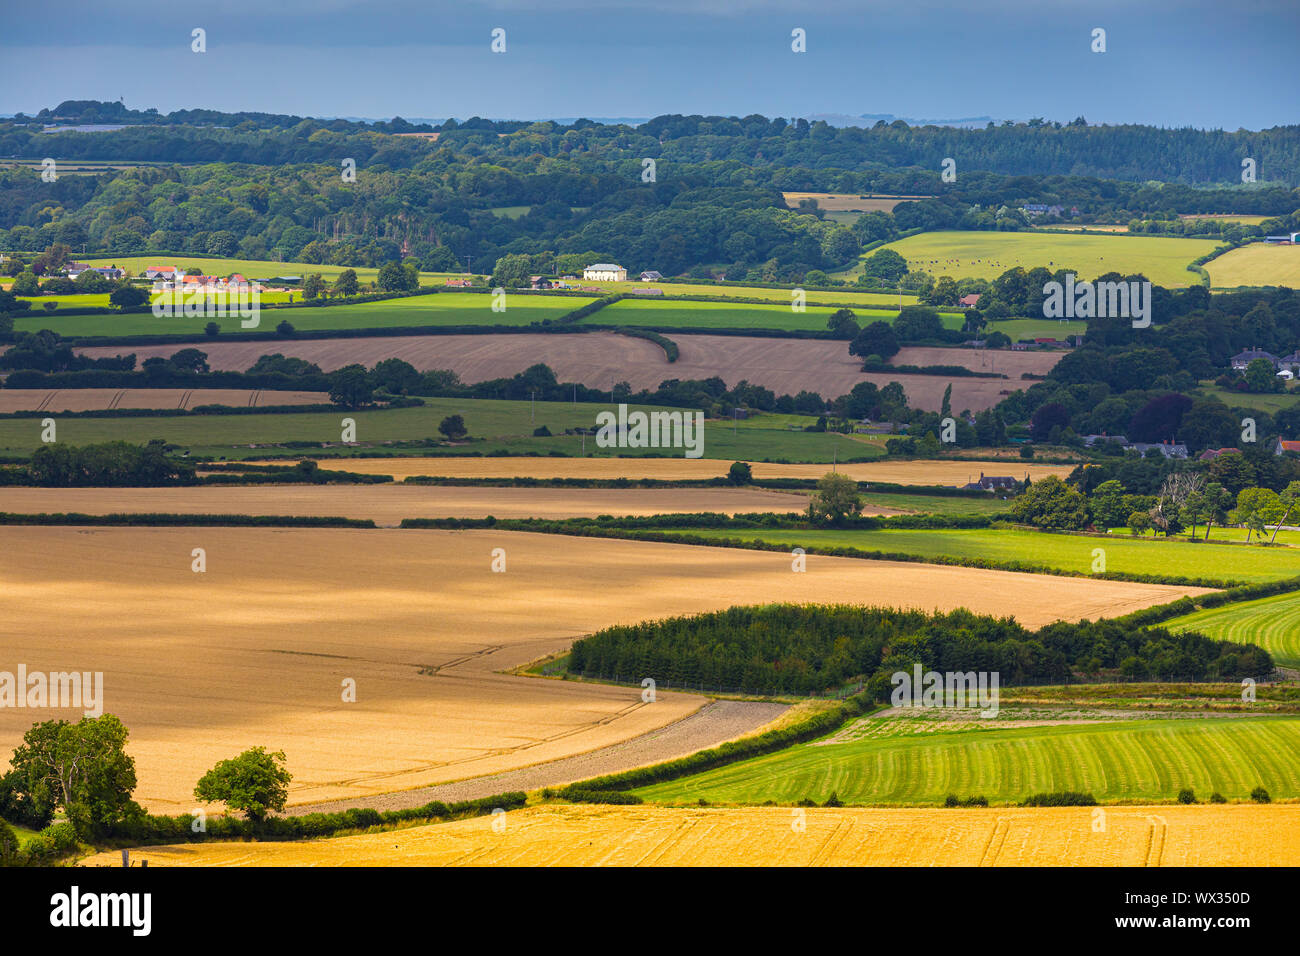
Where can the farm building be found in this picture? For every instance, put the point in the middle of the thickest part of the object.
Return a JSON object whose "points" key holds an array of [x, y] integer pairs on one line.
{"points": [[1212, 453], [991, 483], [651, 276], [541, 282], [604, 272], [1168, 449], [969, 301], [1283, 446]]}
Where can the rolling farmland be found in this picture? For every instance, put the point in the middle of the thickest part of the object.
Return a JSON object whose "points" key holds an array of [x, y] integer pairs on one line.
{"points": [[1150, 759], [252, 651]]}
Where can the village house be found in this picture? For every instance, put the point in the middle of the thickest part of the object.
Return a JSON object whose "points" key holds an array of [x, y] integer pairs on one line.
{"points": [[992, 483], [604, 272], [969, 301], [651, 276], [1212, 453], [1283, 446], [1168, 449], [1242, 359]]}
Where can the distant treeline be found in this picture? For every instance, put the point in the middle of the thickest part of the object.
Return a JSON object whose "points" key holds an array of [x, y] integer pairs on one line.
{"points": [[802, 649]]}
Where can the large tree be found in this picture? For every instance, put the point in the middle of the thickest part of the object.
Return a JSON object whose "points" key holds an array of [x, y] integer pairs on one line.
{"points": [[255, 783]]}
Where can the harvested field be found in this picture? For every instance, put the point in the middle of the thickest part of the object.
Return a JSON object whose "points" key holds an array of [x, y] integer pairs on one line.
{"points": [[99, 399], [848, 202], [937, 472], [598, 359], [389, 504], [1004, 362], [253, 651], [555, 835], [1257, 264]]}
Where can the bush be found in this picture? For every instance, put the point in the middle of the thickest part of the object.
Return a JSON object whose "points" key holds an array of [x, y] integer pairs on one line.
{"points": [[740, 473], [1260, 795], [1186, 795], [285, 329], [602, 796], [952, 800], [833, 800], [8, 844], [1060, 798], [1217, 797], [541, 432]]}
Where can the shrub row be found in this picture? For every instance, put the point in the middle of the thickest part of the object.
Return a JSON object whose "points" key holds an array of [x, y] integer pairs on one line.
{"points": [[952, 371], [1231, 595], [1060, 798], [665, 343], [151, 829]]}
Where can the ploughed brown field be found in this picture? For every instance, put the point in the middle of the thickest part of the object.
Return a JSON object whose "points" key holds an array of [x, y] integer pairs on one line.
{"points": [[99, 399], [597, 359], [257, 649], [560, 835], [389, 504], [938, 472]]}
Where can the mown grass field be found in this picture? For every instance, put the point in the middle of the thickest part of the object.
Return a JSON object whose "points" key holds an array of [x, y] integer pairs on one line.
{"points": [[836, 298], [1256, 264], [1148, 759], [1273, 623], [495, 427], [1073, 553], [443, 309], [986, 255]]}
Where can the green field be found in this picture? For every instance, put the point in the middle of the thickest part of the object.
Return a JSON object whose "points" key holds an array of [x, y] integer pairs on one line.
{"points": [[837, 298], [1035, 328], [1073, 553], [1272, 623], [442, 309], [250, 268], [1255, 265], [919, 763], [1271, 402], [986, 255], [495, 427], [938, 504]]}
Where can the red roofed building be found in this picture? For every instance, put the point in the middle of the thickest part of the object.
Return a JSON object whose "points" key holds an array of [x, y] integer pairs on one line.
{"points": [[969, 301], [1283, 446]]}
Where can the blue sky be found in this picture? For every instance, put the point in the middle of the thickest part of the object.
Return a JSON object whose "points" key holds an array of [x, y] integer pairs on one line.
{"points": [[1204, 63]]}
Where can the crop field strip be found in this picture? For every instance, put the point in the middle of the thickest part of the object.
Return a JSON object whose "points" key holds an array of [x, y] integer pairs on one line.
{"points": [[583, 835], [264, 637], [1072, 553], [1145, 759], [100, 399]]}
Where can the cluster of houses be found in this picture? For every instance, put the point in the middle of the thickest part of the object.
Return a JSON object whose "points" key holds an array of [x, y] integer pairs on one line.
{"points": [[1287, 367], [173, 278], [1171, 449], [74, 269]]}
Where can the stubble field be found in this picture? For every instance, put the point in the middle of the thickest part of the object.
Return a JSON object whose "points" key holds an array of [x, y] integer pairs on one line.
{"points": [[784, 836]]}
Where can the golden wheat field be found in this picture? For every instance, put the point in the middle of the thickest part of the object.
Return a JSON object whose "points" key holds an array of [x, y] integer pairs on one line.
{"points": [[554, 835], [389, 504], [255, 649], [686, 469], [99, 399]]}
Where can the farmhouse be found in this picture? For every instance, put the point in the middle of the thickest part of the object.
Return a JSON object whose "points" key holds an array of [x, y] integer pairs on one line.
{"points": [[77, 268], [969, 301], [651, 276], [161, 272], [1283, 446], [991, 483], [1090, 440], [604, 272], [540, 282]]}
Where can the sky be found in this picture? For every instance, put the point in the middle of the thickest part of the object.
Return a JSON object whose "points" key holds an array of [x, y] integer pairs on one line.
{"points": [[1201, 63]]}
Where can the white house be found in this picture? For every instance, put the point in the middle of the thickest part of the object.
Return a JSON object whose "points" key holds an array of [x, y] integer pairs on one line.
{"points": [[604, 272]]}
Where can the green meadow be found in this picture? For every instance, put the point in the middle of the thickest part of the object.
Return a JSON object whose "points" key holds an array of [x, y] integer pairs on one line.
{"points": [[923, 761]]}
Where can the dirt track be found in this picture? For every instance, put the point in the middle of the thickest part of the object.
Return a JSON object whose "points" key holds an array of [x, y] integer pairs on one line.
{"points": [[597, 359]]}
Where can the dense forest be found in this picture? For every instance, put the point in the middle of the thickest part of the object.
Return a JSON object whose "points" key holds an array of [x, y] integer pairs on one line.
{"points": [[262, 186], [801, 649]]}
